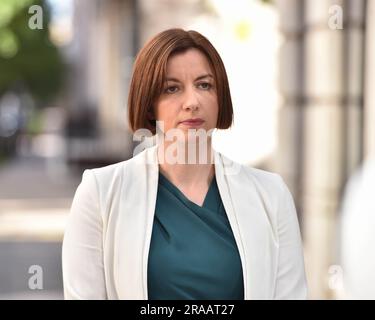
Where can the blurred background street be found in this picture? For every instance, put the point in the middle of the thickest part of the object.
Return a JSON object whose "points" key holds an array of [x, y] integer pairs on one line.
{"points": [[34, 202], [301, 74]]}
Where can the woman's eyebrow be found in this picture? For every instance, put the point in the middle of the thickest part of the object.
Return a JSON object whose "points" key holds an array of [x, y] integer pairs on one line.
{"points": [[198, 78]]}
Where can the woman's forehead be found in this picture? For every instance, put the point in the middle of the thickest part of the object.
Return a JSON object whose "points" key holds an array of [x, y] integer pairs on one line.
{"points": [[191, 62]]}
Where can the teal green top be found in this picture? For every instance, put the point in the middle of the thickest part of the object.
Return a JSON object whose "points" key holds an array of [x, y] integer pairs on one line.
{"points": [[193, 253]]}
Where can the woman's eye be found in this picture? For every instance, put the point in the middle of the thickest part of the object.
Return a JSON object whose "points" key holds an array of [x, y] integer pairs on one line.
{"points": [[205, 85], [171, 89]]}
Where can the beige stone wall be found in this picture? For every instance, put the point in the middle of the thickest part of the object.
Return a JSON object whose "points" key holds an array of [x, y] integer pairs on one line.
{"points": [[103, 56], [369, 82], [321, 120]]}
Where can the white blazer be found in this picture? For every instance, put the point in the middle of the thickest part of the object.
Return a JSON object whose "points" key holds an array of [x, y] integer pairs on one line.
{"points": [[108, 232]]}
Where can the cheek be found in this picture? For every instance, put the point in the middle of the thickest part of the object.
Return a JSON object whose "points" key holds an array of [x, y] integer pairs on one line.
{"points": [[215, 112], [214, 106], [167, 114], [213, 100], [160, 111]]}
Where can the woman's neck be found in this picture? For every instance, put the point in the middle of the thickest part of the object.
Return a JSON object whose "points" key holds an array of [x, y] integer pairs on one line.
{"points": [[184, 168]]}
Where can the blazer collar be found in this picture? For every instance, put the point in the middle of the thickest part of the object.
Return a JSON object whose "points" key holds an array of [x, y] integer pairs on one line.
{"points": [[244, 209]]}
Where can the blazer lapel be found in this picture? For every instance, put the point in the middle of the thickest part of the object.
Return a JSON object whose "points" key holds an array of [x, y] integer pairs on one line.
{"points": [[250, 227], [137, 206]]}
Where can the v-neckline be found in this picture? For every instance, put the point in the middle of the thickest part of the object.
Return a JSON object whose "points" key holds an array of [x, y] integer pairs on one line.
{"points": [[184, 196]]}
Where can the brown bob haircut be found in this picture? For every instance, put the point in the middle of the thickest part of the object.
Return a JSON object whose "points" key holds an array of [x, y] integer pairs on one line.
{"points": [[149, 74]]}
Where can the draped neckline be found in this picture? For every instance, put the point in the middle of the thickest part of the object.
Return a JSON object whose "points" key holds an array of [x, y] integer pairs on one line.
{"points": [[178, 192]]}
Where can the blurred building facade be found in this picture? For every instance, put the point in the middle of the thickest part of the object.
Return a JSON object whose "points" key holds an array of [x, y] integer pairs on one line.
{"points": [[101, 56], [326, 125]]}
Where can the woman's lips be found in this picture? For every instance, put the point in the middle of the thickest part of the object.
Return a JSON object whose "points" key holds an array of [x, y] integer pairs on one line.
{"points": [[192, 123]]}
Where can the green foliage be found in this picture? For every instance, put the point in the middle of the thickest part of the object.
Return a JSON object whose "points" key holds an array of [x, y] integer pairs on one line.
{"points": [[27, 56], [35, 123], [9, 8]]}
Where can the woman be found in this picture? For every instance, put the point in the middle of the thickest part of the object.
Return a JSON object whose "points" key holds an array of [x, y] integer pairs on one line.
{"points": [[180, 220]]}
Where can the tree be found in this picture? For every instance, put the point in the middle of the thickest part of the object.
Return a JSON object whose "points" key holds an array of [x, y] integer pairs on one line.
{"points": [[28, 59]]}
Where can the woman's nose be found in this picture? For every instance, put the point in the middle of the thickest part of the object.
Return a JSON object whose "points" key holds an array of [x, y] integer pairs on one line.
{"points": [[190, 99]]}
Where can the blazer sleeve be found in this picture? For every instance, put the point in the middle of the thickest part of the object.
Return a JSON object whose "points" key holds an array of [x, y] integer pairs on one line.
{"points": [[291, 278], [82, 249]]}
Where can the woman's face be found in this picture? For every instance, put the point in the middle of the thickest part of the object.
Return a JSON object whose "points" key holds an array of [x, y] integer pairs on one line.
{"points": [[188, 93]]}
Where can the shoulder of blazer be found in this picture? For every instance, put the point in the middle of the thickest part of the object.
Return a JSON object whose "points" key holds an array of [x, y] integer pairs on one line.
{"points": [[109, 178], [108, 173], [266, 181], [272, 191], [269, 181]]}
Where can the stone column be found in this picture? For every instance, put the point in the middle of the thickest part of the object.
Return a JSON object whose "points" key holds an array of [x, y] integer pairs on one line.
{"points": [[370, 81], [291, 75], [320, 127], [332, 117]]}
